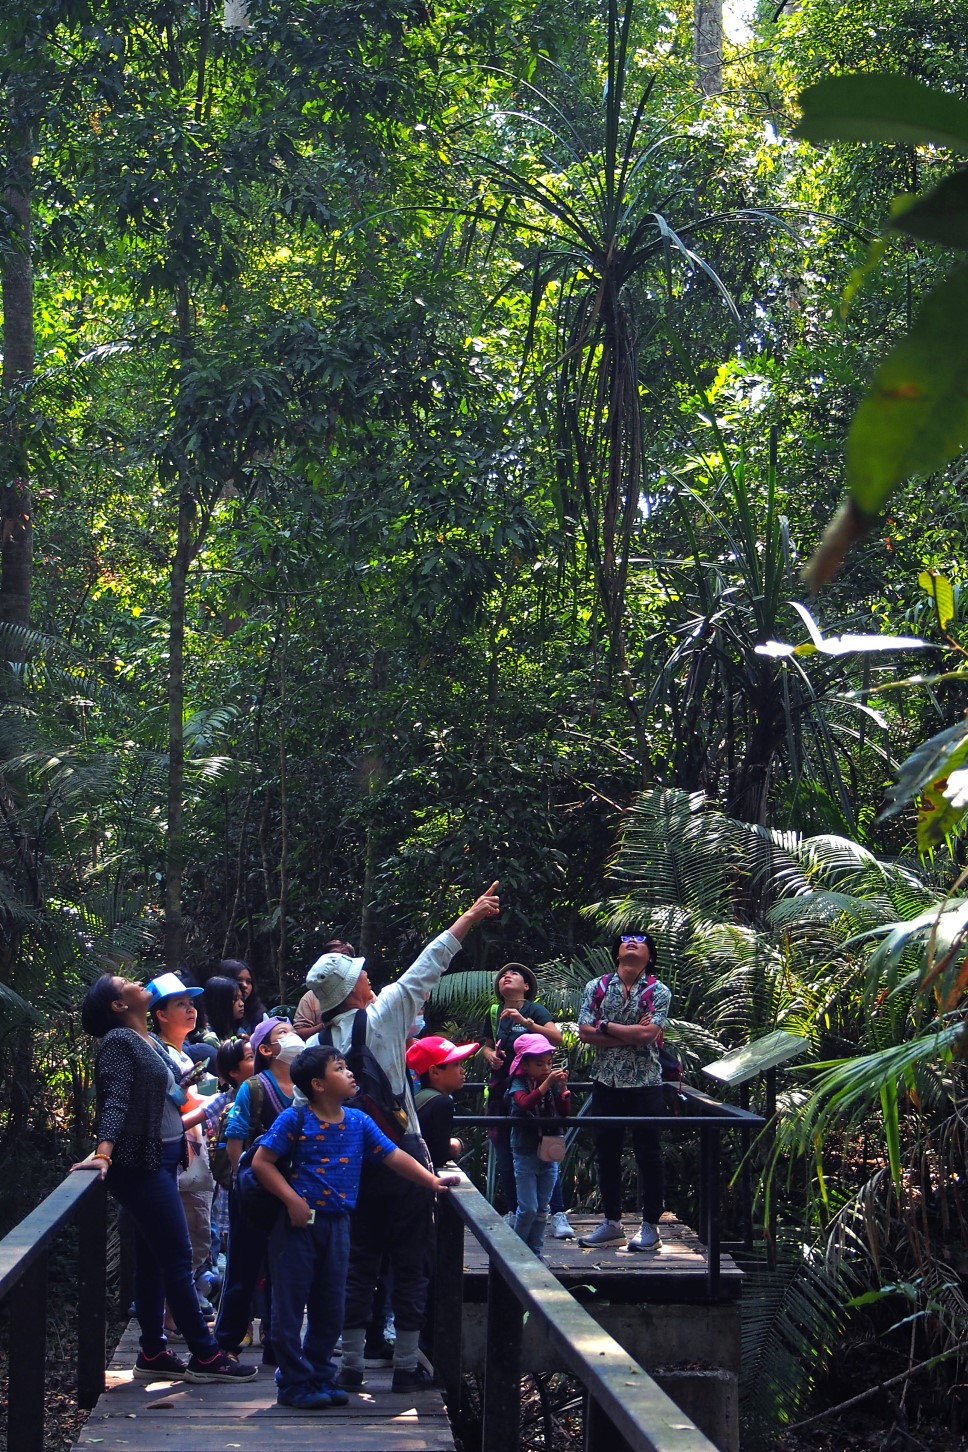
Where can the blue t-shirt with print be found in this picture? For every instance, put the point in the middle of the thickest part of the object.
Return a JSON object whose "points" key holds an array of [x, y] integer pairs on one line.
{"points": [[326, 1158]]}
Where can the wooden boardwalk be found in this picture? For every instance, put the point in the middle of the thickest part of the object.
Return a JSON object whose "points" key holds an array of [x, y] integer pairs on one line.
{"points": [[674, 1272], [164, 1416], [178, 1416]]}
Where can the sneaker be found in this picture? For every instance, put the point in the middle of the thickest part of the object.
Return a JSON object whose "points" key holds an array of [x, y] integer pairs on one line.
{"points": [[411, 1379], [164, 1365], [337, 1396], [561, 1228], [645, 1239], [351, 1379], [377, 1353], [219, 1367], [602, 1234], [305, 1398]]}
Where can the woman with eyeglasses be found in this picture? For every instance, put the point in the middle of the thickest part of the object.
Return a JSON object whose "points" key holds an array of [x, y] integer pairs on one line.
{"points": [[622, 1018]]}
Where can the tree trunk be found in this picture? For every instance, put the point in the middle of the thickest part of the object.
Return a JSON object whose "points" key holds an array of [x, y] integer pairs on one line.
{"points": [[174, 848], [282, 942], [375, 769], [708, 43], [16, 274]]}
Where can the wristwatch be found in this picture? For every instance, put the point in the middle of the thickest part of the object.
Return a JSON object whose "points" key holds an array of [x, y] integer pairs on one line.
{"points": [[603, 1027]]}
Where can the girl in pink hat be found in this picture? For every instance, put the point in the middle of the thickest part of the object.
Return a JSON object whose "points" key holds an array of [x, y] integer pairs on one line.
{"points": [[538, 1091]]}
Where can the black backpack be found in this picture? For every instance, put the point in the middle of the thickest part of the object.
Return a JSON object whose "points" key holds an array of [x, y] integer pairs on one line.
{"points": [[373, 1092], [260, 1208]]}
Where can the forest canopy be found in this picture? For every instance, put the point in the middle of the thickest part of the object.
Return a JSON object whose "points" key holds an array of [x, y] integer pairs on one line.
{"points": [[415, 422]]}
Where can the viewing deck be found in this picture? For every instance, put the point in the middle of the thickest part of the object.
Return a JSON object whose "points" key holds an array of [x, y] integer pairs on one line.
{"points": [[174, 1416]]}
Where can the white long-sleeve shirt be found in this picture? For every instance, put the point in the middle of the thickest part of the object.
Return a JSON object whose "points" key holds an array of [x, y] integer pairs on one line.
{"points": [[392, 1012]]}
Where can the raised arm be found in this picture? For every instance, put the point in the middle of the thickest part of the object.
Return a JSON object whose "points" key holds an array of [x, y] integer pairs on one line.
{"points": [[488, 905]]}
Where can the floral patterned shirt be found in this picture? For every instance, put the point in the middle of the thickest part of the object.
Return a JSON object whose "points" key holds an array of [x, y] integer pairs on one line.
{"points": [[627, 1066]]}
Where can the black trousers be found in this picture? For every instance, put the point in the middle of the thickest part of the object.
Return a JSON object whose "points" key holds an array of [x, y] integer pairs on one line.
{"points": [[393, 1217], [646, 1146]]}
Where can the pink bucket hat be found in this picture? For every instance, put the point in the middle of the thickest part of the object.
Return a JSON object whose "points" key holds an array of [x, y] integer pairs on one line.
{"points": [[529, 1044]]}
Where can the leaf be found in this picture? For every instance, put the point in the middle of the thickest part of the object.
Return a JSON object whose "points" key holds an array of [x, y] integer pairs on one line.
{"points": [[928, 763], [938, 818], [836, 644], [941, 592], [941, 215], [914, 418], [882, 107]]}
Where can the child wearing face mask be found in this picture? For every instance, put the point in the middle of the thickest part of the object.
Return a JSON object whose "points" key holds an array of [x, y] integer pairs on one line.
{"points": [[260, 1099]]}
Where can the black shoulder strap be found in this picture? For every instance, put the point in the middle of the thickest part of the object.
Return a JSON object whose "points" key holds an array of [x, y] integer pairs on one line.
{"points": [[359, 1031]]}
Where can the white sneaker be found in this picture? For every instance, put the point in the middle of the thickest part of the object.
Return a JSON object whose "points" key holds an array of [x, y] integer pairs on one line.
{"points": [[602, 1234], [647, 1238], [560, 1227]]}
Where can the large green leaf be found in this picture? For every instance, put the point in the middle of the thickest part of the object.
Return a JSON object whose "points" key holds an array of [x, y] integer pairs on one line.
{"points": [[882, 108], [914, 419], [941, 215], [928, 763]]}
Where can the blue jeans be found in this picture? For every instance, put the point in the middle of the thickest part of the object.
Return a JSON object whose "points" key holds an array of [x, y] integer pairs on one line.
{"points": [[501, 1142], [244, 1261], [308, 1270], [534, 1181], [163, 1267]]}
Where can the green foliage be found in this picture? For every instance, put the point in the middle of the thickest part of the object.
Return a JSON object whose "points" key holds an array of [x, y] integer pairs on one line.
{"points": [[914, 419]]}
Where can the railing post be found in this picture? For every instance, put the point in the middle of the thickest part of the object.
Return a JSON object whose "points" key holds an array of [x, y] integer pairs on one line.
{"points": [[501, 1412], [600, 1432], [27, 1360], [449, 1303], [709, 1156], [92, 1264]]}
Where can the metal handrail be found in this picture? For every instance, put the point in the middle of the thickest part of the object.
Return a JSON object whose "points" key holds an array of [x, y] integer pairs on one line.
{"points": [[624, 1404], [709, 1118], [24, 1255]]}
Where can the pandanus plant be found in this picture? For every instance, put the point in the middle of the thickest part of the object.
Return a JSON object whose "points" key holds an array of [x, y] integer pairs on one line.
{"points": [[607, 211]]}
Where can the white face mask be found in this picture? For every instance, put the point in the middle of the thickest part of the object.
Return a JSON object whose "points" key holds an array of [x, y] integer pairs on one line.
{"points": [[289, 1047]]}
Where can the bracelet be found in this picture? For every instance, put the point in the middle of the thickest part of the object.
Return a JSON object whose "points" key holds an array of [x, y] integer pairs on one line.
{"points": [[106, 1158]]}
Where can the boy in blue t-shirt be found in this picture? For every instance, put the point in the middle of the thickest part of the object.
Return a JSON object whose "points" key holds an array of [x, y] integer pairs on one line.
{"points": [[309, 1248]]}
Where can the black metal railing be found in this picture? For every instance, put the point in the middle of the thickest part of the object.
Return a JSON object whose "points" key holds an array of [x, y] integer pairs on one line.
{"points": [[81, 1199], [624, 1407], [700, 1114]]}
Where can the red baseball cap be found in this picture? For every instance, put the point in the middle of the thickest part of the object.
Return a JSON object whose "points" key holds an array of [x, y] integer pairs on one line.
{"points": [[424, 1053]]}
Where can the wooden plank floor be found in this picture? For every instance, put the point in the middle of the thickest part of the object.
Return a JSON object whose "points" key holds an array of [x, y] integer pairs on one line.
{"points": [[178, 1416], [162, 1416], [674, 1272]]}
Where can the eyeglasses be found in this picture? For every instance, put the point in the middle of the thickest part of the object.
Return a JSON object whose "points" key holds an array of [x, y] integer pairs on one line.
{"points": [[633, 938]]}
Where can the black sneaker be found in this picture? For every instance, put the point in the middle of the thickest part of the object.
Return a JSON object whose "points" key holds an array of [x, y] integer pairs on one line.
{"points": [[219, 1367], [350, 1379], [163, 1366], [411, 1379]]}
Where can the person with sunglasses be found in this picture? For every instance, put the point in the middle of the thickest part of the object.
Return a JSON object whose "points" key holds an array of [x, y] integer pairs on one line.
{"points": [[622, 1018]]}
